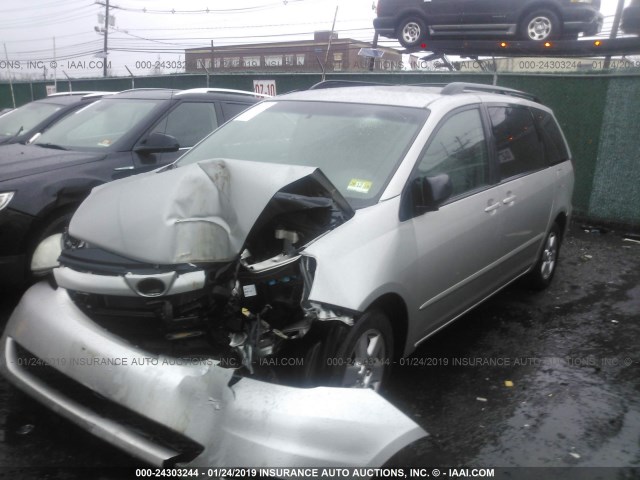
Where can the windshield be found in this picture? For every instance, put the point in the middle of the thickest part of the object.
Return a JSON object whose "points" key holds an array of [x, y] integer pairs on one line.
{"points": [[26, 117], [358, 147], [98, 125]]}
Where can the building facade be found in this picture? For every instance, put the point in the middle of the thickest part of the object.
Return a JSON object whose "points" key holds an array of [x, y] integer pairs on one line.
{"points": [[295, 56]]}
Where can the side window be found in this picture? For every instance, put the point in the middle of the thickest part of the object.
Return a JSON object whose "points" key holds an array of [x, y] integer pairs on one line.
{"points": [[520, 148], [459, 149], [189, 122], [554, 145], [230, 110]]}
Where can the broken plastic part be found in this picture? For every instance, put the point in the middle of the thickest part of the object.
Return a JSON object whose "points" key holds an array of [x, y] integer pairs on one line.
{"points": [[324, 314]]}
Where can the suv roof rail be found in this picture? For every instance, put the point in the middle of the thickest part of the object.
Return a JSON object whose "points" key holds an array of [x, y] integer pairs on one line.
{"points": [[456, 88], [69, 94], [224, 90], [345, 83], [147, 90]]}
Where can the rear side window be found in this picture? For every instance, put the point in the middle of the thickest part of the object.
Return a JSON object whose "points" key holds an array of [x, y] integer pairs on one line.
{"points": [[230, 110], [520, 148], [555, 147], [189, 123]]}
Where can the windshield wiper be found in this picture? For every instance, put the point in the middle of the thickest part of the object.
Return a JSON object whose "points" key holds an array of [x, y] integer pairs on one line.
{"points": [[51, 145], [15, 135]]}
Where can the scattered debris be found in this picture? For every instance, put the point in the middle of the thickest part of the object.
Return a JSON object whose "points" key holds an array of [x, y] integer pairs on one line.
{"points": [[526, 425], [615, 321], [481, 399], [592, 229], [630, 240], [508, 383], [587, 256], [574, 454]]}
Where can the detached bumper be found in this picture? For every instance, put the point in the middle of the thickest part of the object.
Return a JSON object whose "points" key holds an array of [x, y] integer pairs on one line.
{"points": [[202, 419]]}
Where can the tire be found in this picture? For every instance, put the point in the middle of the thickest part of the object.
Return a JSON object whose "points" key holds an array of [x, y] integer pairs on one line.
{"points": [[543, 271], [411, 32], [53, 227], [540, 26], [364, 357]]}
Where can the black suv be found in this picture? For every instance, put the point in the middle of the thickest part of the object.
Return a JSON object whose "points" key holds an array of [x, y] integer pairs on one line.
{"points": [[21, 124], [42, 184], [411, 22]]}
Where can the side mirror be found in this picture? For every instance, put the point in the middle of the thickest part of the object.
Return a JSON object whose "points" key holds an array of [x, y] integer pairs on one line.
{"points": [[430, 192], [158, 142]]}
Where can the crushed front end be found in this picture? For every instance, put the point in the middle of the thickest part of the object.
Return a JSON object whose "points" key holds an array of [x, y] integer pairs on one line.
{"points": [[182, 301]]}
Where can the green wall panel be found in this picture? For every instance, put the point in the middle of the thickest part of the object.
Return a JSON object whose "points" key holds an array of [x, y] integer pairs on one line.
{"points": [[598, 113], [616, 185]]}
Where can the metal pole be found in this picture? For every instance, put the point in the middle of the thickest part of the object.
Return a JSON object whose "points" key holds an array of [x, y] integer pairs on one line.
{"points": [[614, 31], [372, 60], [212, 63], [55, 65], [326, 57], [106, 38], [133, 81], [13, 98], [69, 79]]}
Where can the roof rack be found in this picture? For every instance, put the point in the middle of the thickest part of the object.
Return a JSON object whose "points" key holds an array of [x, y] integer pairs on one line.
{"points": [[70, 94], [150, 89], [223, 90], [456, 88], [453, 88], [345, 83]]}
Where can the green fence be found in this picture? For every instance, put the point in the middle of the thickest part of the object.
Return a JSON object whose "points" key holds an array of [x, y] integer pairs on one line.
{"points": [[598, 113]]}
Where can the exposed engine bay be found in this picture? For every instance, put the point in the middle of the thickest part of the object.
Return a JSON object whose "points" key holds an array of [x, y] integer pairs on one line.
{"points": [[247, 313]]}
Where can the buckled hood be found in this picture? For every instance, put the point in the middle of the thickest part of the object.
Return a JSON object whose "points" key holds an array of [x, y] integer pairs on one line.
{"points": [[201, 212]]}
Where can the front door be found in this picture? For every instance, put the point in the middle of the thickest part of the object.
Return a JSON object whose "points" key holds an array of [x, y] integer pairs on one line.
{"points": [[459, 244]]}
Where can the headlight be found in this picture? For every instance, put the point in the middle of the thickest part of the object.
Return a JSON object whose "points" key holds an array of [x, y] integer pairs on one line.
{"points": [[45, 256], [5, 198]]}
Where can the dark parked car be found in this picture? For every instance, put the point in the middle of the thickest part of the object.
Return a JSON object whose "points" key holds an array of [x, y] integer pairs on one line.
{"points": [[21, 124], [411, 22], [631, 18], [41, 184]]}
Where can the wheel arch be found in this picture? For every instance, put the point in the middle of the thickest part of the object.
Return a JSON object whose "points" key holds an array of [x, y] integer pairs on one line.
{"points": [[411, 13], [563, 222], [540, 6], [395, 308]]}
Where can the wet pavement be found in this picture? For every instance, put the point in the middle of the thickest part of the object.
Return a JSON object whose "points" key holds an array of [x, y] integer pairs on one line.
{"points": [[527, 379]]}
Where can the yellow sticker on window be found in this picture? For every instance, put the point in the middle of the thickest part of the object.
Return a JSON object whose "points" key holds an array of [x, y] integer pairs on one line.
{"points": [[360, 186]]}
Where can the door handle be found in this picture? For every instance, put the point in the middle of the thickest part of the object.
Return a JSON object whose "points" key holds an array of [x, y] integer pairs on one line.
{"points": [[493, 207], [121, 169], [509, 199]]}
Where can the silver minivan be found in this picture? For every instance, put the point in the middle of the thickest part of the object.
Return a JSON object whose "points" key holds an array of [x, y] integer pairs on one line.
{"points": [[303, 247]]}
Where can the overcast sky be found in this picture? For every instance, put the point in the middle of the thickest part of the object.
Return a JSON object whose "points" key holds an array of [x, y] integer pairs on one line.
{"points": [[165, 29]]}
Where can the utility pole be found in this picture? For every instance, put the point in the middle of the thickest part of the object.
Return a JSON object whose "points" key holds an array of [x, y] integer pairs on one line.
{"points": [[106, 37]]}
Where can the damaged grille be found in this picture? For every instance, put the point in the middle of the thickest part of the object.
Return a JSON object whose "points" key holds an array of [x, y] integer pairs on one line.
{"points": [[148, 429], [172, 325]]}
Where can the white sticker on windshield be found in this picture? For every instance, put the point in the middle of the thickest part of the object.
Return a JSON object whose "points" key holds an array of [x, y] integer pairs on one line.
{"points": [[252, 112]]}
